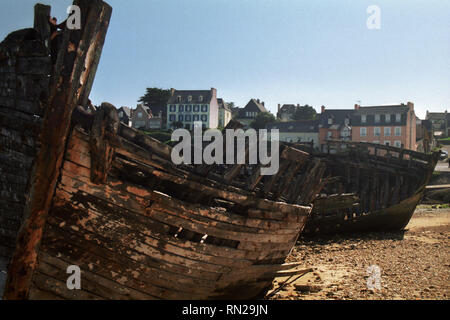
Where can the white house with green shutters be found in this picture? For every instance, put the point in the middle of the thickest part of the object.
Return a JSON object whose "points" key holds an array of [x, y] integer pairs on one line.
{"points": [[188, 106]]}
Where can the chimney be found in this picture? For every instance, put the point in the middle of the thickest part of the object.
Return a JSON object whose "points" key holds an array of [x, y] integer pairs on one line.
{"points": [[279, 107], [322, 109], [357, 106], [263, 104], [410, 106], [214, 92], [257, 100], [298, 105], [172, 91]]}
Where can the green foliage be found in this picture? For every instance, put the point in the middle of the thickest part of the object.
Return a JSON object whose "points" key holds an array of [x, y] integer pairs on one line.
{"points": [[155, 97], [162, 136], [262, 119], [305, 112]]}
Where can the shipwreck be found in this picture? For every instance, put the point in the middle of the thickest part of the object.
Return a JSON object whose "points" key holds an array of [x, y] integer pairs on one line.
{"points": [[369, 187]]}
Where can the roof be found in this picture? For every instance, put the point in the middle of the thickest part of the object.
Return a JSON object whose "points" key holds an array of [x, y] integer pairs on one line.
{"points": [[338, 115], [194, 94], [223, 104], [390, 109], [254, 105], [126, 110], [295, 126], [437, 116]]}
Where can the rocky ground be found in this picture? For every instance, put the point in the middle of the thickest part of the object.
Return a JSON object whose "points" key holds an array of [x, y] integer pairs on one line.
{"points": [[414, 264]]}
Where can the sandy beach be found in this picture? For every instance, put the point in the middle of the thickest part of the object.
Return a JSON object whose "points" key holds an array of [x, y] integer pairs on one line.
{"points": [[414, 264]]}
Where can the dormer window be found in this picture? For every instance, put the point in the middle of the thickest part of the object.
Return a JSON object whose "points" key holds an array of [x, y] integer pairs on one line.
{"points": [[363, 118], [179, 98], [190, 99], [388, 117], [377, 118], [200, 98], [398, 117], [121, 114], [330, 120], [139, 114]]}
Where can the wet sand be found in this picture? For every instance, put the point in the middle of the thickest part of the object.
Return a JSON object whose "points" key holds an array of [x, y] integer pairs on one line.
{"points": [[414, 264]]}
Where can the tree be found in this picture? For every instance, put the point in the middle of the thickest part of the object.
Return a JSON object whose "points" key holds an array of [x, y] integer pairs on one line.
{"points": [[155, 97], [262, 119], [305, 112]]}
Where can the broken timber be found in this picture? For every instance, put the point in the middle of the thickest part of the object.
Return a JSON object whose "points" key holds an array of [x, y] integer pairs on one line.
{"points": [[65, 95]]}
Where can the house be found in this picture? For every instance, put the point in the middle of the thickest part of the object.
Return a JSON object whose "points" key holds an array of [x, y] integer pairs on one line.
{"points": [[140, 117], [424, 136], [188, 106], [393, 125], [247, 114], [297, 131], [125, 115], [224, 113], [334, 124], [440, 122]]}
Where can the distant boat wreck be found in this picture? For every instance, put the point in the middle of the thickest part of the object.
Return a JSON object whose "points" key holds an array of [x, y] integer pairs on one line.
{"points": [[81, 189], [370, 187]]}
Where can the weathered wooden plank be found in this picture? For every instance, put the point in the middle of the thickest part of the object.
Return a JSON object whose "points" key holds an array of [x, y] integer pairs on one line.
{"points": [[90, 281], [64, 97], [47, 283]]}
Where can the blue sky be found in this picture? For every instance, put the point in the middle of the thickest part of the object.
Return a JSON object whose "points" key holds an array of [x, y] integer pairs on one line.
{"points": [[280, 51]]}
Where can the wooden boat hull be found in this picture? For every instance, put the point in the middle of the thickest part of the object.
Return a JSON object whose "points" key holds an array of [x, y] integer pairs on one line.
{"points": [[394, 218], [380, 188], [134, 243]]}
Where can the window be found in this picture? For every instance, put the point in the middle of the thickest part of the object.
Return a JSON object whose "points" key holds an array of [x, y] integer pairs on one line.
{"points": [[377, 118], [204, 117], [363, 132], [181, 108], [398, 131], [188, 108], [398, 117], [187, 117], [173, 108], [121, 114], [387, 131], [196, 108], [179, 98], [329, 135], [139, 114], [397, 143], [180, 117], [205, 108], [388, 118], [172, 117], [363, 118], [189, 98], [196, 117], [200, 98], [330, 120], [376, 131], [387, 143]]}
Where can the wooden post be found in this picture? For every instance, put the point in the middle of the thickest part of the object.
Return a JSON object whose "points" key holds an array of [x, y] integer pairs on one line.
{"points": [[41, 22], [55, 130]]}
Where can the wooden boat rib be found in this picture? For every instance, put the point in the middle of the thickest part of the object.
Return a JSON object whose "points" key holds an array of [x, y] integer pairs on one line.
{"points": [[107, 198], [370, 187]]}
